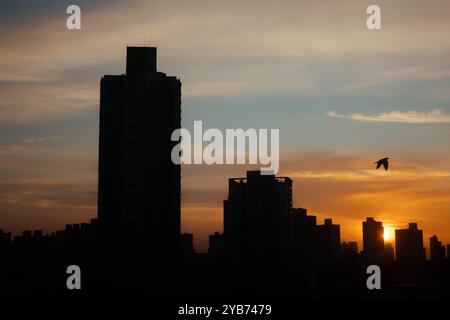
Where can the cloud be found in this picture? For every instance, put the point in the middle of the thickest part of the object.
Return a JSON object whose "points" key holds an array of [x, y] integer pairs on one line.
{"points": [[433, 116], [215, 48], [26, 103], [367, 175], [387, 76], [33, 140]]}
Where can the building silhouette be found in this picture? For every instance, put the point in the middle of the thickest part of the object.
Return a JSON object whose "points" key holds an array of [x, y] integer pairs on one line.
{"points": [[329, 241], [409, 248], [373, 238], [389, 252], [350, 246], [437, 250], [139, 186], [216, 246], [305, 238], [187, 251], [448, 251], [257, 220], [5, 241]]}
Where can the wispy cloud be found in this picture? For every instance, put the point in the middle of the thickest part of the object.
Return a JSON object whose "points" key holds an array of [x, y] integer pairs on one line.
{"points": [[390, 75], [53, 73], [371, 175], [26, 103], [433, 116]]}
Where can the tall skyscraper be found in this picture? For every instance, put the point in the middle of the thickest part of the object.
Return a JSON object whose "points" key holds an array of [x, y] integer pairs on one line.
{"points": [[409, 248], [257, 220], [437, 250], [373, 237], [139, 186]]}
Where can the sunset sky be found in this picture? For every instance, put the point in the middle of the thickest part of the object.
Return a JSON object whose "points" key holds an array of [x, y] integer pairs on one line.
{"points": [[341, 95]]}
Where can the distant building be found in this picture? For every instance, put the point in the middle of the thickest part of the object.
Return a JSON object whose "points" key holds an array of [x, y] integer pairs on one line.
{"points": [[437, 250], [257, 220], [5, 238], [409, 248], [350, 246], [216, 245], [448, 251], [5, 243], [305, 238], [373, 238], [139, 185], [329, 240]]}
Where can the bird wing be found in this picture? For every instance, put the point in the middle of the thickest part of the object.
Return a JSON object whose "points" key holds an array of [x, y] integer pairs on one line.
{"points": [[378, 164], [386, 165]]}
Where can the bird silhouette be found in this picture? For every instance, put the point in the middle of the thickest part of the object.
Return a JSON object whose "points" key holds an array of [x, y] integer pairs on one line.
{"points": [[383, 162]]}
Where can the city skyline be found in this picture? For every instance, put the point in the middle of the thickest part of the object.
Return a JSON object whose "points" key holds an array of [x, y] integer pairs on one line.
{"points": [[269, 247], [370, 250], [318, 74], [266, 241]]}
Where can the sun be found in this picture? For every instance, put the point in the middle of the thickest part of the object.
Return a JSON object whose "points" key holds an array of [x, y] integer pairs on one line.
{"points": [[388, 233]]}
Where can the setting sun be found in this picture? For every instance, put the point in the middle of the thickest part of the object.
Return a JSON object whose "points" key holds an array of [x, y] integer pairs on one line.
{"points": [[388, 233]]}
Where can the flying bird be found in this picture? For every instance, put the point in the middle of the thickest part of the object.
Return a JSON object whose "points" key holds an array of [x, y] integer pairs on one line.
{"points": [[383, 162]]}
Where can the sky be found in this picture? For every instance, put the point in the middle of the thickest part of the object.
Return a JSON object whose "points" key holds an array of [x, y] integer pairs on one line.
{"points": [[342, 96]]}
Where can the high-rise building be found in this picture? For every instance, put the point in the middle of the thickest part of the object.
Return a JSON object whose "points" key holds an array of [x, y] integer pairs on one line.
{"points": [[257, 220], [437, 250], [305, 242], [139, 185], [409, 248], [329, 236], [373, 237]]}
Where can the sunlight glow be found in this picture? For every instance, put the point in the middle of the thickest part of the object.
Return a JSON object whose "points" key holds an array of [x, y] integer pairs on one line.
{"points": [[388, 233]]}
